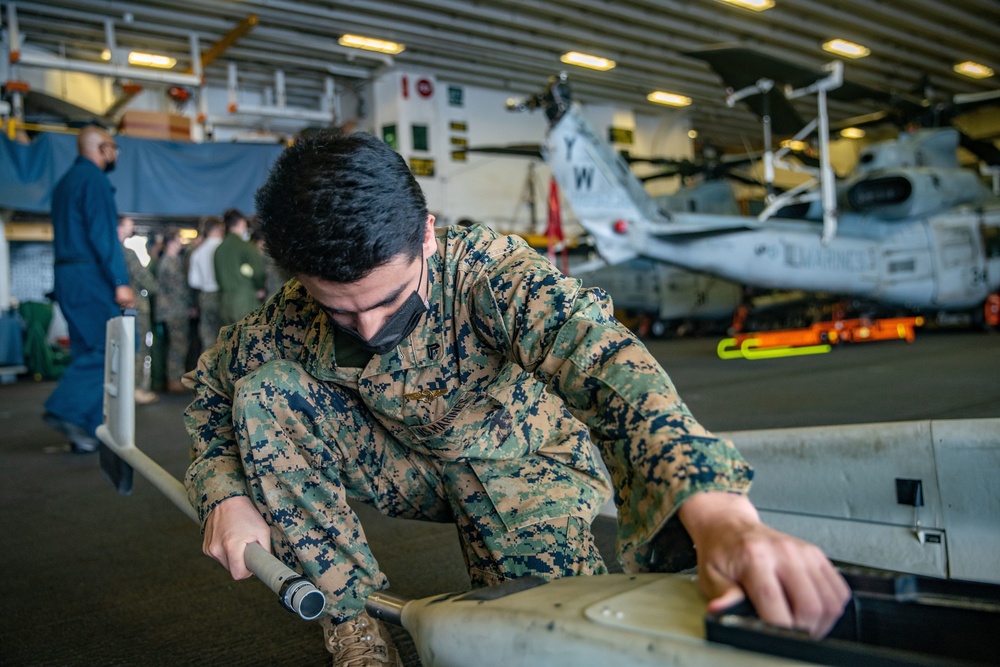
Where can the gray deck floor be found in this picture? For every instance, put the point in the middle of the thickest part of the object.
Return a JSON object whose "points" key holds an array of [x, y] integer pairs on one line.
{"points": [[93, 578]]}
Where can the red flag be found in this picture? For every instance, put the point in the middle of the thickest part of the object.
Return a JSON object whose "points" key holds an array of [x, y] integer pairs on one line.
{"points": [[554, 232]]}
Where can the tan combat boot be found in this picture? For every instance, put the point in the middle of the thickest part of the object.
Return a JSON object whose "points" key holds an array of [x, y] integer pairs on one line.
{"points": [[360, 642]]}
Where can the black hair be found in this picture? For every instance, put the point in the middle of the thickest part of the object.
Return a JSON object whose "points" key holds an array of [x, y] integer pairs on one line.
{"points": [[337, 206], [208, 224], [231, 217]]}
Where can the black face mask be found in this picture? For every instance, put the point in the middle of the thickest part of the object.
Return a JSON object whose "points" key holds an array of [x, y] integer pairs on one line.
{"points": [[398, 326], [110, 166]]}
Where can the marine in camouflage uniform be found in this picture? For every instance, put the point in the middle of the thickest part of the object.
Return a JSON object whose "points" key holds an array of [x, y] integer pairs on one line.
{"points": [[482, 397], [174, 303], [239, 270], [483, 416]]}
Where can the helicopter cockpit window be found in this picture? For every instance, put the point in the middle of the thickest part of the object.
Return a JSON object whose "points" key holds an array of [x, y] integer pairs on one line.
{"points": [[991, 240], [957, 247]]}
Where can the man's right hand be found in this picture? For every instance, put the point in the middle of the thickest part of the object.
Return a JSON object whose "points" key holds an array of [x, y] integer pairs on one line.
{"points": [[124, 296], [232, 525]]}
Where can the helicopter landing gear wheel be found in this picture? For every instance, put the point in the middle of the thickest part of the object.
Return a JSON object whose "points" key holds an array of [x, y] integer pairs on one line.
{"points": [[658, 328]]}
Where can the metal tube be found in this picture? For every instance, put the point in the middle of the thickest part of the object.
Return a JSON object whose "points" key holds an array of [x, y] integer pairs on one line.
{"points": [[109, 36], [292, 113], [195, 56], [386, 607], [109, 69], [295, 592], [164, 482], [13, 34], [279, 87]]}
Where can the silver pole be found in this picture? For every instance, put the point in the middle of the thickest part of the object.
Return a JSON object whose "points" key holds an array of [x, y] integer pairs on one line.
{"points": [[295, 592]]}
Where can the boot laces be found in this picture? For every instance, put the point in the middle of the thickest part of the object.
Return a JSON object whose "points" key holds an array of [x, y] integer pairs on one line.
{"points": [[359, 642]]}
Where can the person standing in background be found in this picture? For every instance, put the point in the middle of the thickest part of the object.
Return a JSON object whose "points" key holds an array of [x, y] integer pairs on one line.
{"points": [[274, 276], [91, 284], [201, 278], [154, 248], [239, 270], [144, 283], [174, 308]]}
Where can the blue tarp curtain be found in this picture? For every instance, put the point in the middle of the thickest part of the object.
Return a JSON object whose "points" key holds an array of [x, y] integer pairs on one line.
{"points": [[152, 177]]}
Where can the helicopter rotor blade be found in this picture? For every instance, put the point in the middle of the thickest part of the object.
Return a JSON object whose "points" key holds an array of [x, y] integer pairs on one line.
{"points": [[986, 151], [514, 150]]}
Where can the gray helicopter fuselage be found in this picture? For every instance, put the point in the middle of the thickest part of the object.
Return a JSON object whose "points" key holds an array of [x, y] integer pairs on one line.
{"points": [[938, 262], [929, 238]]}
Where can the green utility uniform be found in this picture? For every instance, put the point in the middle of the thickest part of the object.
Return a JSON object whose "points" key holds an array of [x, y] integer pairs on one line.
{"points": [[174, 302], [239, 270], [484, 416], [143, 283]]}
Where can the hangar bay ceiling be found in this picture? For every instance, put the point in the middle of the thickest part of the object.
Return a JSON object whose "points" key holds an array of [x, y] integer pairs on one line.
{"points": [[515, 45]]}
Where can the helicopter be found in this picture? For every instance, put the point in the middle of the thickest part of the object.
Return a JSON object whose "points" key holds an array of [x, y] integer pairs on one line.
{"points": [[653, 298], [909, 229]]}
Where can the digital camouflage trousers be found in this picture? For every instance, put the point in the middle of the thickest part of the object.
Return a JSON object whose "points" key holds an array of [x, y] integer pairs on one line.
{"points": [[308, 446]]}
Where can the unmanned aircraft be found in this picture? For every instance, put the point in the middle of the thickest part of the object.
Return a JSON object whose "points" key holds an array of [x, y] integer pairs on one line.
{"points": [[910, 228]]}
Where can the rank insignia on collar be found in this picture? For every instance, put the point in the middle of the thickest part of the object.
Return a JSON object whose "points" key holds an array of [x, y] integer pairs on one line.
{"points": [[425, 395]]}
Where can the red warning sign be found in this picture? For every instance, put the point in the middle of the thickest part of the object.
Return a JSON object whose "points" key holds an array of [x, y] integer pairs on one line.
{"points": [[425, 88]]}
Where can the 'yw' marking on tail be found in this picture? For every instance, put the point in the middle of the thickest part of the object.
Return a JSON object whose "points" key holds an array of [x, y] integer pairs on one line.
{"points": [[569, 147], [583, 177]]}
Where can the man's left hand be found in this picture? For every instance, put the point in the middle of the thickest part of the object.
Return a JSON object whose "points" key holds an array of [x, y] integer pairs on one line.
{"points": [[124, 296], [791, 583]]}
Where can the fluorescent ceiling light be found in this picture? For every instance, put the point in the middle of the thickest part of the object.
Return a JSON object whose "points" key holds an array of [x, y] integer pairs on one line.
{"points": [[670, 99], [847, 49], [371, 44], [753, 5], [151, 60], [852, 133], [588, 61], [974, 70], [144, 59], [795, 145]]}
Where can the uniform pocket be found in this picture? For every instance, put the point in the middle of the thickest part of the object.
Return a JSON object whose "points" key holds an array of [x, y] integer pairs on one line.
{"points": [[536, 488]]}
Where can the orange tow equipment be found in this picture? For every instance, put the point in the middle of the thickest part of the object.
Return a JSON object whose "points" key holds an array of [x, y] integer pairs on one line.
{"points": [[817, 338], [991, 310]]}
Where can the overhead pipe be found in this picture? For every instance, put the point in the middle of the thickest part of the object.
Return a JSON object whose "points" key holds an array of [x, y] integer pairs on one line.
{"points": [[279, 87], [15, 110], [330, 101], [13, 34], [111, 70]]}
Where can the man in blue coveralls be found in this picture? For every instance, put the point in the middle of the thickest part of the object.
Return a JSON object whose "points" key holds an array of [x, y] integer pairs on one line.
{"points": [[91, 283]]}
